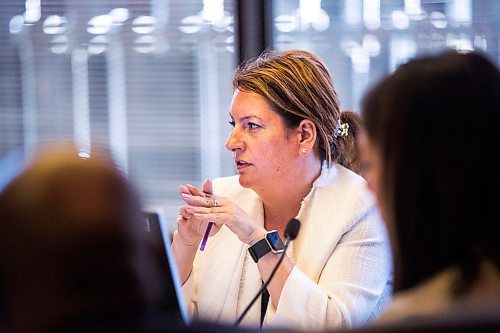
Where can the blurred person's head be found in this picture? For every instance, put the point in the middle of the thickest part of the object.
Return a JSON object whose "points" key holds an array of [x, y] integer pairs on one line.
{"points": [[431, 138], [71, 243]]}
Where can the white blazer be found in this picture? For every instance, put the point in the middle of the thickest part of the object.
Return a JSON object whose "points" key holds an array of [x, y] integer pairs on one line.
{"points": [[342, 274]]}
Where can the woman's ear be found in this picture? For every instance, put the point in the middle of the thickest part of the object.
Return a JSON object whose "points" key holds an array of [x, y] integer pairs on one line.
{"points": [[307, 136]]}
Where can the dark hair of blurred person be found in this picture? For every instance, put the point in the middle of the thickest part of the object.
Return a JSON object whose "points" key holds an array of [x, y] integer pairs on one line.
{"points": [[432, 135], [72, 247]]}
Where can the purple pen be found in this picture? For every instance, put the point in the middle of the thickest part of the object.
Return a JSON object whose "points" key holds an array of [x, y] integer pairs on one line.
{"points": [[205, 237], [207, 231]]}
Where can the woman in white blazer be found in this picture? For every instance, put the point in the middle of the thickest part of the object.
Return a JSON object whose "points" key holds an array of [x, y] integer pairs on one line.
{"points": [[287, 135]]}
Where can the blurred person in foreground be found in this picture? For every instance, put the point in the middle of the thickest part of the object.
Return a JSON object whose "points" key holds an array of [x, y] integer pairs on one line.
{"points": [[287, 134], [74, 256], [432, 133]]}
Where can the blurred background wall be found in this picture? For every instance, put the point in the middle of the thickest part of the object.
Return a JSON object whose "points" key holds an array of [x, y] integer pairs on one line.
{"points": [[150, 80]]}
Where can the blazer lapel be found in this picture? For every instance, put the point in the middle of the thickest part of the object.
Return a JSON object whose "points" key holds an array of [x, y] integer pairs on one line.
{"points": [[229, 281]]}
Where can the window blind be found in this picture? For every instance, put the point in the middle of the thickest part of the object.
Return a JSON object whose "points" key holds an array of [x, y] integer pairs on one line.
{"points": [[363, 40], [147, 80]]}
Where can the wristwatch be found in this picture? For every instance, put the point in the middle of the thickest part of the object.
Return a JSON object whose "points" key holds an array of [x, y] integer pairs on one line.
{"points": [[272, 242]]}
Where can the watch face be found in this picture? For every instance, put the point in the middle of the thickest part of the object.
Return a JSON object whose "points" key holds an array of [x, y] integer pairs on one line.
{"points": [[275, 241]]}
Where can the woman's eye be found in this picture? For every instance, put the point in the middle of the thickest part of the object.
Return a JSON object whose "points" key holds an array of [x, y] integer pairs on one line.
{"points": [[232, 123], [253, 125]]}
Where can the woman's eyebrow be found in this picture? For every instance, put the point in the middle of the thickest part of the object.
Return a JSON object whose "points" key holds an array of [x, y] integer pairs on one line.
{"points": [[244, 118]]}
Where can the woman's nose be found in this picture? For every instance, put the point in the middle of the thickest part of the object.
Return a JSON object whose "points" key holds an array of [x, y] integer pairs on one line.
{"points": [[234, 141]]}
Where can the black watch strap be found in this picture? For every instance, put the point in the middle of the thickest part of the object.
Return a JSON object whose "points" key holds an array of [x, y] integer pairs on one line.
{"points": [[259, 249]]}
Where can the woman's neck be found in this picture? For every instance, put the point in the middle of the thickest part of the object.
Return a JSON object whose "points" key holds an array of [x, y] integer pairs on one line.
{"points": [[282, 203]]}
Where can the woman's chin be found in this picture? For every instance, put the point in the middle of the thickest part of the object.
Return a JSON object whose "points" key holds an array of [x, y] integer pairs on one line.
{"points": [[245, 182]]}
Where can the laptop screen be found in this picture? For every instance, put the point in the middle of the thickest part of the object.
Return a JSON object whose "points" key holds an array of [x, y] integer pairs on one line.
{"points": [[173, 301]]}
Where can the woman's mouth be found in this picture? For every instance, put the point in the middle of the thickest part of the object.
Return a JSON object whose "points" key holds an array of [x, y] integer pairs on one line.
{"points": [[240, 164]]}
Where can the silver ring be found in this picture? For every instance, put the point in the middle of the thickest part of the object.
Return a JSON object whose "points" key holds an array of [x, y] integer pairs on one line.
{"points": [[216, 203]]}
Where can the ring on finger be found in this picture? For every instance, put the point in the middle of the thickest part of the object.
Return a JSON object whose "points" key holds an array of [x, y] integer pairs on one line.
{"points": [[216, 203], [212, 210]]}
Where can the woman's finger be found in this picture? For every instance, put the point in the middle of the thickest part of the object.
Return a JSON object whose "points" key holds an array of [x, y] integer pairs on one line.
{"points": [[186, 211], [207, 186], [211, 201], [211, 214], [195, 191]]}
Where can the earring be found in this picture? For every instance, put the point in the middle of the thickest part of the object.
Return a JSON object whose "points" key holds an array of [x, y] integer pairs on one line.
{"points": [[304, 150]]}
